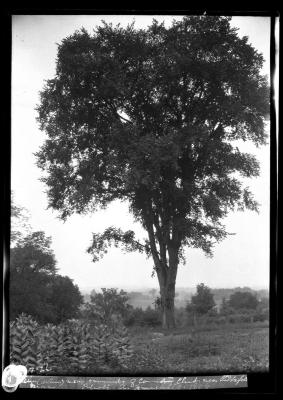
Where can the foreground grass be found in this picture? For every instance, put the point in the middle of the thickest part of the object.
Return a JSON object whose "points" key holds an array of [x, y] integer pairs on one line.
{"points": [[227, 348]]}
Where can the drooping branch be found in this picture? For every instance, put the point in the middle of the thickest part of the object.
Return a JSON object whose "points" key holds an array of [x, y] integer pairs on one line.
{"points": [[115, 237], [202, 235]]}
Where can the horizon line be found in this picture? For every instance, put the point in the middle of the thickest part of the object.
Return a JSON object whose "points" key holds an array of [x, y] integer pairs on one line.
{"points": [[177, 287]]}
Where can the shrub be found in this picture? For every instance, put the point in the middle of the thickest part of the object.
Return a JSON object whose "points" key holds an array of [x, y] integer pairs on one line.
{"points": [[203, 301], [243, 301], [70, 347], [140, 317], [262, 315], [151, 317], [241, 318], [135, 317], [110, 302]]}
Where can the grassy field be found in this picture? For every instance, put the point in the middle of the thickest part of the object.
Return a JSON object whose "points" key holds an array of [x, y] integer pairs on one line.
{"points": [[75, 347], [227, 348]]}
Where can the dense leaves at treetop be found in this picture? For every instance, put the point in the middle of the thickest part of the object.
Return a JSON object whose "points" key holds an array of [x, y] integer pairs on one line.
{"points": [[33, 251], [149, 116], [243, 300]]}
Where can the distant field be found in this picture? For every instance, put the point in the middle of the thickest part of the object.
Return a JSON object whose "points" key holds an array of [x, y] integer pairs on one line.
{"points": [[144, 298], [227, 348]]}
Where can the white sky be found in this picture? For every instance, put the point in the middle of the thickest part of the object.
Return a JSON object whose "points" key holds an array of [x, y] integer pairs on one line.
{"points": [[241, 260]]}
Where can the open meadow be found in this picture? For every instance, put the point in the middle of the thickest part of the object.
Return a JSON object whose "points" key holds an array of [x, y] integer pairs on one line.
{"points": [[225, 348]]}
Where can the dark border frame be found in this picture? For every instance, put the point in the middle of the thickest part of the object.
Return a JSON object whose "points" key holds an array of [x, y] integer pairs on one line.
{"points": [[263, 383]]}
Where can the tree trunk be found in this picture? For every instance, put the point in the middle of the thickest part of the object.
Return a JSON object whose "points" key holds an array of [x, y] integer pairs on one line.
{"points": [[167, 305], [168, 315], [167, 280], [166, 268]]}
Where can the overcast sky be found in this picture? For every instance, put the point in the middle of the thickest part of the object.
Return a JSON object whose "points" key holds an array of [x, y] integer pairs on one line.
{"points": [[241, 260]]}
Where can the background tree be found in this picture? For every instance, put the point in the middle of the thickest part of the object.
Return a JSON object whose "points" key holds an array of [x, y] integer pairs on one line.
{"points": [[148, 116], [34, 252], [110, 302], [263, 309], [241, 301], [225, 308], [157, 303], [48, 297], [203, 300], [66, 298], [151, 317], [19, 222], [35, 287], [30, 294]]}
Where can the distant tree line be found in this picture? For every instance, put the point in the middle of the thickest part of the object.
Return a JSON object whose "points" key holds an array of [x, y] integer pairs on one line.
{"points": [[111, 305], [241, 306]]}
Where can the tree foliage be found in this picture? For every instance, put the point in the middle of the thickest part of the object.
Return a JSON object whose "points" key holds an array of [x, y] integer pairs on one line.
{"points": [[47, 297], [243, 300], [33, 251], [139, 317], [29, 293], [108, 304], [202, 302], [117, 238], [35, 287], [65, 297], [186, 91], [225, 308], [19, 222]]}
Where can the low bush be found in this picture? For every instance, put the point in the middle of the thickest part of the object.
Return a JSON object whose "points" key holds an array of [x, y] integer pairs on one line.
{"points": [[71, 347], [262, 315], [140, 317]]}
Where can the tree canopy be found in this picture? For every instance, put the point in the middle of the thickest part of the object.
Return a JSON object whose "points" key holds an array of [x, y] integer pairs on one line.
{"points": [[148, 116], [186, 92], [243, 300], [110, 302], [33, 251], [35, 287], [203, 301], [19, 222], [65, 297]]}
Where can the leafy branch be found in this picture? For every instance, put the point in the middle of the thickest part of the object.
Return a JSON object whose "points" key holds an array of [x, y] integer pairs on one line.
{"points": [[112, 236]]}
